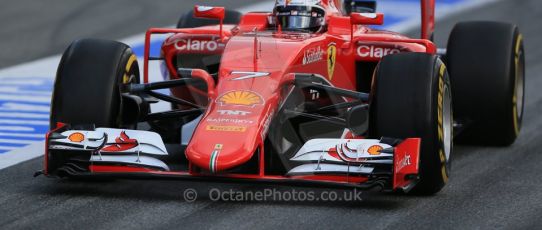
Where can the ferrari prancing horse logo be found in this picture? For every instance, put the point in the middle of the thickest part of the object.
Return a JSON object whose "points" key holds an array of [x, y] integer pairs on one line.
{"points": [[331, 59]]}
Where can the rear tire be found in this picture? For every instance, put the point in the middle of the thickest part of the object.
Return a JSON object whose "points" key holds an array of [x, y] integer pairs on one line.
{"points": [[87, 88], [188, 20], [487, 66], [411, 97]]}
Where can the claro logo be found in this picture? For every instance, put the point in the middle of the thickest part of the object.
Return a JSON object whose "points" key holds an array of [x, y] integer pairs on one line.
{"points": [[376, 52], [197, 45]]}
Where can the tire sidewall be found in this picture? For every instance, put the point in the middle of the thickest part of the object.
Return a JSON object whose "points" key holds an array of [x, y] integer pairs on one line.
{"points": [[435, 166], [442, 82], [517, 71]]}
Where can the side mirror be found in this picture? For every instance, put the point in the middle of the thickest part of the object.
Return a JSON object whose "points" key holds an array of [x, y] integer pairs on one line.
{"points": [[211, 12], [367, 18], [357, 119], [361, 6]]}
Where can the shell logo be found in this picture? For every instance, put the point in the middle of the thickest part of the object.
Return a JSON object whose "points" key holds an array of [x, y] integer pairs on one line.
{"points": [[240, 97], [76, 137], [374, 150]]}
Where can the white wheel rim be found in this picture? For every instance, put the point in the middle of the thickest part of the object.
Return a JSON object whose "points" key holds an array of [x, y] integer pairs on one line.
{"points": [[519, 87], [447, 122]]}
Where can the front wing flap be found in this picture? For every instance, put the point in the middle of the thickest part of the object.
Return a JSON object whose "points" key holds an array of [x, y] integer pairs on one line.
{"points": [[87, 150], [395, 161]]}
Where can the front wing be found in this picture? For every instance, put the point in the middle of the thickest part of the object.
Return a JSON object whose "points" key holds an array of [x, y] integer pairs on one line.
{"points": [[362, 163]]}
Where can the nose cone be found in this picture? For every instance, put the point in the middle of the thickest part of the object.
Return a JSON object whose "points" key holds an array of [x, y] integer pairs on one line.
{"points": [[231, 131], [246, 98]]}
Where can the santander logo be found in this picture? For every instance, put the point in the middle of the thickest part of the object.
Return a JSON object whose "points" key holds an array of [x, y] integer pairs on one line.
{"points": [[403, 163], [376, 52], [313, 55]]}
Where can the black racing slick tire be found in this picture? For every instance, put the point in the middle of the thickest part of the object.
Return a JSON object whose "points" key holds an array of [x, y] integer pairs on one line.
{"points": [[411, 97], [188, 20], [87, 88], [486, 62]]}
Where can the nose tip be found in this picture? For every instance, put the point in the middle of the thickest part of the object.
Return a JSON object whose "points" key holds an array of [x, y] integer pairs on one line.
{"points": [[213, 161], [219, 157]]}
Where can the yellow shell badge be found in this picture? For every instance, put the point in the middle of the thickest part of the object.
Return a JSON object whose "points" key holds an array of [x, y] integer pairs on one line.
{"points": [[240, 97], [331, 59]]}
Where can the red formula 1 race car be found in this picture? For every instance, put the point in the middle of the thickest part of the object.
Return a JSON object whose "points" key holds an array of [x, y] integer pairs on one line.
{"points": [[307, 94]]}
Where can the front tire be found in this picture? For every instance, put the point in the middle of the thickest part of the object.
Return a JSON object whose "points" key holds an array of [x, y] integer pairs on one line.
{"points": [[87, 88], [411, 97]]}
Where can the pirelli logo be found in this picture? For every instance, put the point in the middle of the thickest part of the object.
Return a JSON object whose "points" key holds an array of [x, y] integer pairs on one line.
{"points": [[226, 128]]}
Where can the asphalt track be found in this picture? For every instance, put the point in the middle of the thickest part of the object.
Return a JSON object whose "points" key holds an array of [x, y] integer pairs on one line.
{"points": [[490, 187]]}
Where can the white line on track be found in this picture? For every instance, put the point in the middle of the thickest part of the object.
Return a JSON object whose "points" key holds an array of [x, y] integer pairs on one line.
{"points": [[8, 147], [21, 98], [17, 141], [24, 107], [17, 90], [24, 135], [22, 82], [17, 128], [23, 122], [20, 155], [24, 115]]}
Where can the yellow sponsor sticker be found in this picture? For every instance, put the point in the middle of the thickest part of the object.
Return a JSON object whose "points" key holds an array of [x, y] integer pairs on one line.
{"points": [[241, 97], [221, 128]]}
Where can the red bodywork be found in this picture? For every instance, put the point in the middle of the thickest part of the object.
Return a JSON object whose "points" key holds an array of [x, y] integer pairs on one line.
{"points": [[248, 49]]}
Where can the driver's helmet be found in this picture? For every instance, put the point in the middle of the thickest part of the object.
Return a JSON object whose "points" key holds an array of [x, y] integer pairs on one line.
{"points": [[300, 15]]}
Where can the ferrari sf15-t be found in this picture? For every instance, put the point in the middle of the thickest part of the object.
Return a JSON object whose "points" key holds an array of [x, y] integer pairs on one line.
{"points": [[309, 94]]}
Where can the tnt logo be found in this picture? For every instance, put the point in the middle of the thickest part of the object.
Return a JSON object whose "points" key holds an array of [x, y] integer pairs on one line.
{"points": [[233, 112]]}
